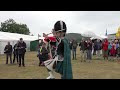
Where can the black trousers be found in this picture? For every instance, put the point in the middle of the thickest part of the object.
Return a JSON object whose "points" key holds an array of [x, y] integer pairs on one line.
{"points": [[15, 57], [21, 59], [7, 56]]}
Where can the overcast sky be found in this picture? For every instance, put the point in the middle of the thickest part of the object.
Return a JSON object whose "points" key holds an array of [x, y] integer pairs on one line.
{"points": [[76, 21]]}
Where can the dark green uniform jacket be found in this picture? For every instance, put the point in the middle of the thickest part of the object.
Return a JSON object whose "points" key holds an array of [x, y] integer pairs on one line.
{"points": [[64, 67]]}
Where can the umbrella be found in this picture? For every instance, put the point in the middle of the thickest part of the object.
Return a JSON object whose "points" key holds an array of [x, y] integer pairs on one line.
{"points": [[89, 34]]}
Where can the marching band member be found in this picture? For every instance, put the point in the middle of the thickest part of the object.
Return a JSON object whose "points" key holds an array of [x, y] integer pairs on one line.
{"points": [[62, 61]]}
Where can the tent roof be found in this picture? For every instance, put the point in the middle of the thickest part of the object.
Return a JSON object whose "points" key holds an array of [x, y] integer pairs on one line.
{"points": [[6, 36], [99, 37], [89, 34]]}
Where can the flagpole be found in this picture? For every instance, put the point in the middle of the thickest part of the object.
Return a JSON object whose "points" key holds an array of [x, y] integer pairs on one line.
{"points": [[106, 33], [38, 36]]}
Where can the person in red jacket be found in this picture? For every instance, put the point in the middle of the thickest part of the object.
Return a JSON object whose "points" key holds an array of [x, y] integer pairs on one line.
{"points": [[105, 49], [113, 51]]}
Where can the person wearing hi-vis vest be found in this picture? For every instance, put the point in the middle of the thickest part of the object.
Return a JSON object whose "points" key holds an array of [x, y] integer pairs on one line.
{"points": [[42, 54]]}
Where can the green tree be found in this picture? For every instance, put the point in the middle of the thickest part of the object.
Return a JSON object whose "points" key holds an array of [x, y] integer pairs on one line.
{"points": [[13, 27]]}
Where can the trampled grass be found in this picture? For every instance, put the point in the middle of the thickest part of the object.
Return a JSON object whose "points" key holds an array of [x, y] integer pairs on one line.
{"points": [[97, 69]]}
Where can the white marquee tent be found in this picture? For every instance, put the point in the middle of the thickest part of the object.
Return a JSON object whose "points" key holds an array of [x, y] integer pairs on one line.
{"points": [[93, 35], [13, 38], [101, 37], [89, 34]]}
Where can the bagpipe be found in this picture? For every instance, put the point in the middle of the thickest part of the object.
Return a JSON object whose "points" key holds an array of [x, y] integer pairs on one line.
{"points": [[50, 63], [53, 58]]}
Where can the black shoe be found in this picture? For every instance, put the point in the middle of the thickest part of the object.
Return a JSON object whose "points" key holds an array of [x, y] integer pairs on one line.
{"points": [[23, 65]]}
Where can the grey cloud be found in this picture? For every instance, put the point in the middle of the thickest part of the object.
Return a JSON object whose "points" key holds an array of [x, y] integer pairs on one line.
{"points": [[77, 21]]}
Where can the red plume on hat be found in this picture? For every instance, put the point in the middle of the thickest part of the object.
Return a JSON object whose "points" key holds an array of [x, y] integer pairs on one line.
{"points": [[51, 38]]}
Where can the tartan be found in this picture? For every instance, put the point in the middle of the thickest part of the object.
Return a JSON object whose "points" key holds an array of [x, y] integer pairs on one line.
{"points": [[59, 67], [64, 67]]}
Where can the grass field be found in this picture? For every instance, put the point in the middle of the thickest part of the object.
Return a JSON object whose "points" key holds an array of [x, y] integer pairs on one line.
{"points": [[97, 69]]}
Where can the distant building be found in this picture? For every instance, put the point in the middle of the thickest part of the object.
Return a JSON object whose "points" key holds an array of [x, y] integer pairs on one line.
{"points": [[111, 36]]}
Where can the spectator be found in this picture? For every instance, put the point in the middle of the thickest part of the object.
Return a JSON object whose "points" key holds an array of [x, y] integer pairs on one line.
{"points": [[98, 48], [109, 48], [41, 42], [21, 52], [8, 52], [70, 43], [95, 47], [43, 54], [117, 45], [118, 53], [113, 51], [105, 49], [83, 47], [89, 50], [74, 47], [15, 52]]}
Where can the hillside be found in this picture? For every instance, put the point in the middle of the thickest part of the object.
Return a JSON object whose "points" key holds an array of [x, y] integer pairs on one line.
{"points": [[75, 36]]}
